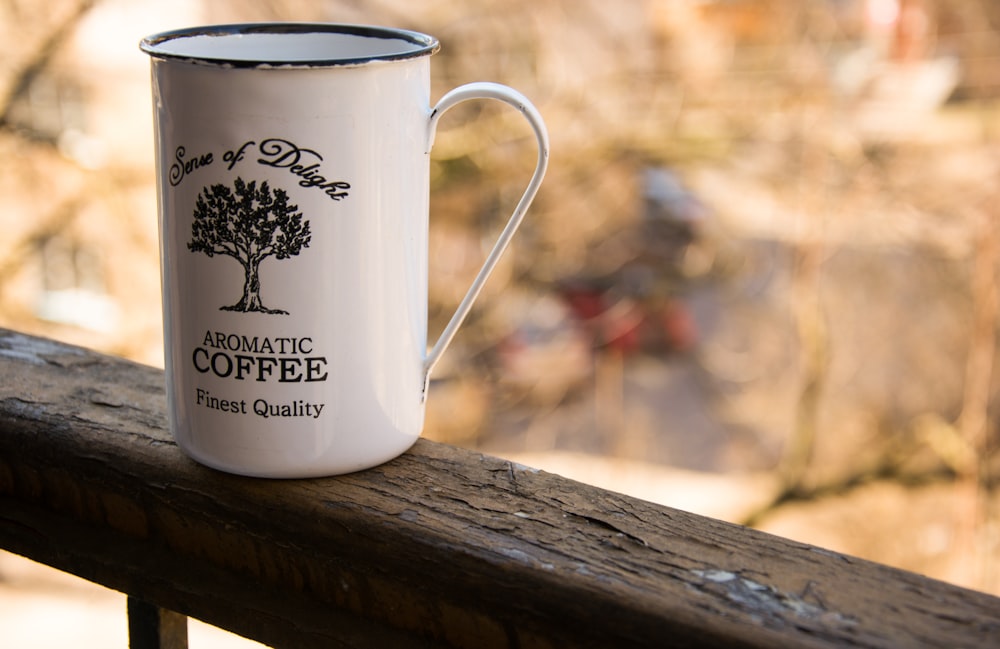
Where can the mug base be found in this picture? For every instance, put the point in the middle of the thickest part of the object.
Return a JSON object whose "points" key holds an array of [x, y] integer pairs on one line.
{"points": [[317, 468]]}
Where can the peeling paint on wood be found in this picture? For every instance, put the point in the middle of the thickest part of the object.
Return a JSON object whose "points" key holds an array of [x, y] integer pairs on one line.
{"points": [[19, 347], [766, 601]]}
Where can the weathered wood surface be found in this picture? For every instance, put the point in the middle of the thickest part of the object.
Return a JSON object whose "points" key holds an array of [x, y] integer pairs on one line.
{"points": [[441, 547], [152, 627]]}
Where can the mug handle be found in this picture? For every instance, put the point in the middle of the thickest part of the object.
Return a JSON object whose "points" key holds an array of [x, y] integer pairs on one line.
{"points": [[487, 90]]}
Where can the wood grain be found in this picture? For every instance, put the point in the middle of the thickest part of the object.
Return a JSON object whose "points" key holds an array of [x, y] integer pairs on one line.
{"points": [[440, 547]]}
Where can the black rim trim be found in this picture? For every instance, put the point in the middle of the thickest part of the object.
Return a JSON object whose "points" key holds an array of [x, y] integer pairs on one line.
{"points": [[428, 44]]}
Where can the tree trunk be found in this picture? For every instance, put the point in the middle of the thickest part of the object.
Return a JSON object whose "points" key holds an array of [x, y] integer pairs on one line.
{"points": [[251, 289]]}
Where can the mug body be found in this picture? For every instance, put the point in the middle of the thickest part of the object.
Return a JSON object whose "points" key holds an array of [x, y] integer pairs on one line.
{"points": [[293, 197]]}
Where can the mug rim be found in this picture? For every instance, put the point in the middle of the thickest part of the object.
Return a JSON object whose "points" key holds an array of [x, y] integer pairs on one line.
{"points": [[153, 44]]}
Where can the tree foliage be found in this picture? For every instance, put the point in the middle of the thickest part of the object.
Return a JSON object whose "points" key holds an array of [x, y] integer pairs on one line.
{"points": [[248, 222]]}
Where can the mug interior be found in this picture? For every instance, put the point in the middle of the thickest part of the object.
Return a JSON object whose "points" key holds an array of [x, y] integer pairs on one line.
{"points": [[289, 44]]}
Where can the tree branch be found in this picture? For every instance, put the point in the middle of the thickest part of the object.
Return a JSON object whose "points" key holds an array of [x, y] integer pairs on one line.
{"points": [[41, 59]]}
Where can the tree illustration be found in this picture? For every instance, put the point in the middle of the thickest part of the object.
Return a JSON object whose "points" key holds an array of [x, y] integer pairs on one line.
{"points": [[248, 223]]}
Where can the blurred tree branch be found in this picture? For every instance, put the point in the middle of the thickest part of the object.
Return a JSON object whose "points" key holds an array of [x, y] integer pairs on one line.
{"points": [[39, 61]]}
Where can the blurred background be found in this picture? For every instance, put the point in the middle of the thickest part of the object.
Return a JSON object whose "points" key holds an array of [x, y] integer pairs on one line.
{"points": [[759, 282]]}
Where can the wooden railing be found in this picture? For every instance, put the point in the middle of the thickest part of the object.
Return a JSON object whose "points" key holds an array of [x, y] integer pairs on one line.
{"points": [[440, 547]]}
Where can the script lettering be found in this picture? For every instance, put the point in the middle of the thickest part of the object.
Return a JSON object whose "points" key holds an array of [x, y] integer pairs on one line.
{"points": [[302, 162], [181, 167]]}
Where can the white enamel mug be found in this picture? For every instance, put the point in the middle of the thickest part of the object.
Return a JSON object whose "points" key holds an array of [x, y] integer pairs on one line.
{"points": [[293, 178]]}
